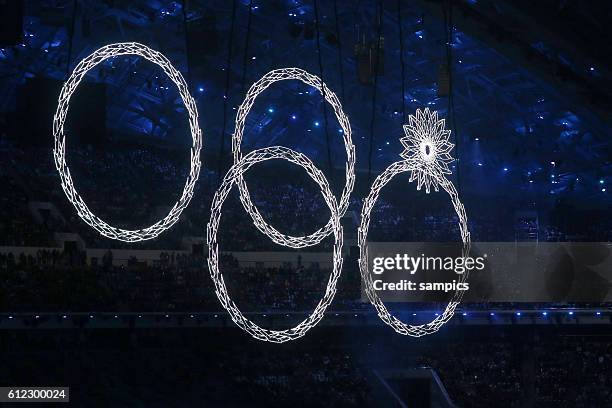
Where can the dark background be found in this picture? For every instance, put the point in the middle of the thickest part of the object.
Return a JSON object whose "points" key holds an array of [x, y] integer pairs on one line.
{"points": [[525, 89]]}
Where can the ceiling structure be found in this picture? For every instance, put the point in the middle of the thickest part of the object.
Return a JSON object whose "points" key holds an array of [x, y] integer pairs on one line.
{"points": [[530, 83]]}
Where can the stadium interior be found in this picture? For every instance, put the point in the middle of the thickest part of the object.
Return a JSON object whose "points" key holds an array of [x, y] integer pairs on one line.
{"points": [[525, 89]]}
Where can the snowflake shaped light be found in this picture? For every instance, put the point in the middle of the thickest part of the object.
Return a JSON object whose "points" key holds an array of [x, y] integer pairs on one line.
{"points": [[426, 157], [427, 148]]}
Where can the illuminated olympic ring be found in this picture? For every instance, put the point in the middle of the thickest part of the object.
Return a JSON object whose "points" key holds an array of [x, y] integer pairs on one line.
{"points": [[59, 150], [244, 109], [233, 176], [370, 201], [427, 172]]}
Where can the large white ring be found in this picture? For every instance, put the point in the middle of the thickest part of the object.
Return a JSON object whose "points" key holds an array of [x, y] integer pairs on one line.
{"points": [[59, 150], [244, 109], [233, 175], [383, 313]]}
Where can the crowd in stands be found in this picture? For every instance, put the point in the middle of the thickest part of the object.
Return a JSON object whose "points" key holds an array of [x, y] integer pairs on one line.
{"points": [[479, 373], [562, 365], [185, 367], [134, 187], [52, 281], [64, 281], [321, 376], [17, 228], [559, 371]]}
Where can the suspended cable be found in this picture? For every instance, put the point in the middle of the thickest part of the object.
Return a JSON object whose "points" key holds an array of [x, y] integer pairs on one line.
{"points": [[376, 62], [228, 70], [186, 40], [401, 41], [245, 58], [339, 49], [318, 29], [72, 26], [449, 30]]}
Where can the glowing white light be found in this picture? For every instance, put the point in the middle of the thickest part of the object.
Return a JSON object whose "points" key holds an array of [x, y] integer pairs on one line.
{"points": [[244, 109], [59, 150], [233, 176], [426, 157], [426, 145]]}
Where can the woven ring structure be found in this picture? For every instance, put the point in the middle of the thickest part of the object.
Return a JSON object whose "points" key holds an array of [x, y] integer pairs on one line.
{"points": [[233, 176], [370, 201], [59, 150], [243, 111]]}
